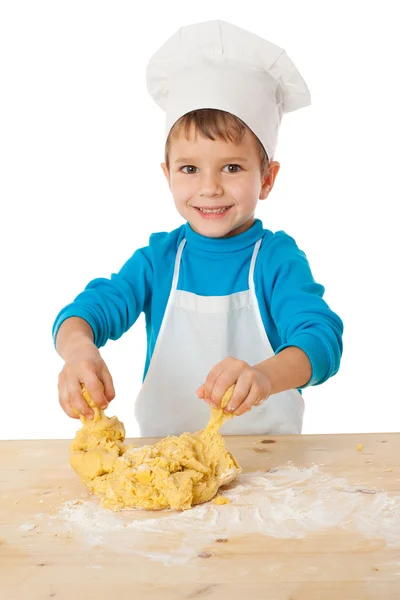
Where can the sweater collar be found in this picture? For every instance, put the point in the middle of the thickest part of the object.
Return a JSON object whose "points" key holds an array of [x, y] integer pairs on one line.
{"points": [[230, 244]]}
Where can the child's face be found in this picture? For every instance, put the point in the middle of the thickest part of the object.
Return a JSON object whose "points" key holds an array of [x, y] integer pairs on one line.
{"points": [[210, 179]]}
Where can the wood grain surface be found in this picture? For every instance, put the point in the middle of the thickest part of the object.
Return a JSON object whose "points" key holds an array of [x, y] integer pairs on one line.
{"points": [[41, 558]]}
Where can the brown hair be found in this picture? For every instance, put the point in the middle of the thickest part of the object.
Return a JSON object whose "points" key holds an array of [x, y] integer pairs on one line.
{"points": [[213, 123]]}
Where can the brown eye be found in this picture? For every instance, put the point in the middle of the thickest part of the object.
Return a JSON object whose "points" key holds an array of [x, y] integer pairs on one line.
{"points": [[231, 165], [189, 167]]}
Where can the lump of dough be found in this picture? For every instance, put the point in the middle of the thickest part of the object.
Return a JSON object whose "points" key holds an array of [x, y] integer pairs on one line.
{"points": [[177, 472], [220, 500]]}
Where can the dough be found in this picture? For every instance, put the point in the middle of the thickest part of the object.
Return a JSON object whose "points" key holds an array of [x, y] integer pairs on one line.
{"points": [[220, 500], [177, 472]]}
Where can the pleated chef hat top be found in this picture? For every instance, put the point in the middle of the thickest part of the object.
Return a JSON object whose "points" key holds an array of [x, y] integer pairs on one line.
{"points": [[215, 64]]}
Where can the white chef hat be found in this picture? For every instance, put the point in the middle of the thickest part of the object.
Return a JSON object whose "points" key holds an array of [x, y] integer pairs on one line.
{"points": [[215, 64]]}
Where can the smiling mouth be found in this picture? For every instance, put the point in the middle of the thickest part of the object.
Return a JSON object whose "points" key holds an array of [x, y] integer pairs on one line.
{"points": [[212, 211]]}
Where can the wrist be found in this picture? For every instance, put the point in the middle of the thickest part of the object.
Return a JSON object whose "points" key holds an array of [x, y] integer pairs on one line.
{"points": [[266, 371], [76, 343], [73, 333], [289, 369]]}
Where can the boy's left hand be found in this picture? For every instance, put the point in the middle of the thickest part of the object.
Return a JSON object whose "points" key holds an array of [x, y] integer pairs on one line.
{"points": [[251, 389]]}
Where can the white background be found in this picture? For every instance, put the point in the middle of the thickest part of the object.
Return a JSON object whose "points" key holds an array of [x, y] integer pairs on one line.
{"points": [[81, 187]]}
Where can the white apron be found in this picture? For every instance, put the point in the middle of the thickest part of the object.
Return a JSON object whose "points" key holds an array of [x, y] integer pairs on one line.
{"points": [[196, 333]]}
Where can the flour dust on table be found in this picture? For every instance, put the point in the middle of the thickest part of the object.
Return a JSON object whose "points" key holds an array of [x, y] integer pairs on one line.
{"points": [[288, 503]]}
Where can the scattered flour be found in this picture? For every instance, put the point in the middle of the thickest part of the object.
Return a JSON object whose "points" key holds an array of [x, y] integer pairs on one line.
{"points": [[28, 526], [288, 502]]}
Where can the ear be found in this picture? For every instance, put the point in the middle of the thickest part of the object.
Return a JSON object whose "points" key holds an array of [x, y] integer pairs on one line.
{"points": [[269, 180], [264, 192]]}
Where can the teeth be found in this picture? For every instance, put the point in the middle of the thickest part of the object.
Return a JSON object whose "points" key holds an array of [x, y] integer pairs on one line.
{"points": [[212, 210]]}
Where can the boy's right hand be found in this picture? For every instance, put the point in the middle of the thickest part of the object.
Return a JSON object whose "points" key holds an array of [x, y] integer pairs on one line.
{"points": [[84, 366]]}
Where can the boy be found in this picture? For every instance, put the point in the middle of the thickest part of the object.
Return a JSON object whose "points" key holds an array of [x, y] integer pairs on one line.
{"points": [[226, 301]]}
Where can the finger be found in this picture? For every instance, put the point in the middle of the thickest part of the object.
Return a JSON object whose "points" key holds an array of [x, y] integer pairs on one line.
{"points": [[241, 391], [200, 392], [77, 400], [64, 401], [253, 399], [222, 384], [213, 376], [95, 388], [235, 369], [70, 411], [109, 390]]}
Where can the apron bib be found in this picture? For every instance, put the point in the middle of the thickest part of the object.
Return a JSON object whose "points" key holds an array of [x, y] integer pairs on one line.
{"points": [[196, 333]]}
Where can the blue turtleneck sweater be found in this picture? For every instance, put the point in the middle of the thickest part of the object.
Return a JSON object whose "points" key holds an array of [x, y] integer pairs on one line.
{"points": [[291, 302]]}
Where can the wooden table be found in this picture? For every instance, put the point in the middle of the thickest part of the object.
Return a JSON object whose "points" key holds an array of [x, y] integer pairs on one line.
{"points": [[41, 558]]}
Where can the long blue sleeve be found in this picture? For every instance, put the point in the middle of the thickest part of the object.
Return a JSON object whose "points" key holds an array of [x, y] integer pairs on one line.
{"points": [[291, 302], [301, 316], [111, 306]]}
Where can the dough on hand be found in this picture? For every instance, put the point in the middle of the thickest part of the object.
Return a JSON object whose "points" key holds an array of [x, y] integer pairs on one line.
{"points": [[177, 472]]}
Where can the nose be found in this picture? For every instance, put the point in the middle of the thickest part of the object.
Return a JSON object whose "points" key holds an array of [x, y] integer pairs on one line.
{"points": [[210, 185]]}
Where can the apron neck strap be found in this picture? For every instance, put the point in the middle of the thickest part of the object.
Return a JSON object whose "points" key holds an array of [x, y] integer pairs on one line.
{"points": [[177, 264], [252, 266]]}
